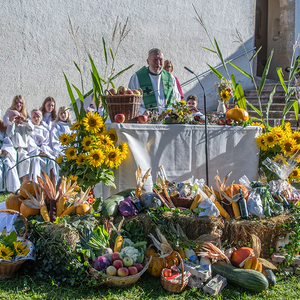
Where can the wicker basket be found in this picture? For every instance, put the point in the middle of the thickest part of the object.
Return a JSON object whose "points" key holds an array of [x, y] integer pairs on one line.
{"points": [[182, 202], [174, 287], [121, 281], [9, 268], [128, 105]]}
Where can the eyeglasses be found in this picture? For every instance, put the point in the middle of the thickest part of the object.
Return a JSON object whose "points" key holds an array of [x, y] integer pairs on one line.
{"points": [[168, 66]]}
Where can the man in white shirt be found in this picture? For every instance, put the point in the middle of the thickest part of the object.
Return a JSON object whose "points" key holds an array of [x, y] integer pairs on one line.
{"points": [[159, 86]]}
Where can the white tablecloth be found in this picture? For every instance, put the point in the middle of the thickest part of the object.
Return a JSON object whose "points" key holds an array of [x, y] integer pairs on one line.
{"points": [[181, 150]]}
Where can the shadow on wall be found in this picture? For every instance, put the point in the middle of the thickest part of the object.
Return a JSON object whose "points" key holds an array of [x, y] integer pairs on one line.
{"points": [[209, 79]]}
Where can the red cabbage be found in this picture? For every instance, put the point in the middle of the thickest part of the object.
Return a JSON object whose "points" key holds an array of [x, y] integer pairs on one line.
{"points": [[101, 263]]}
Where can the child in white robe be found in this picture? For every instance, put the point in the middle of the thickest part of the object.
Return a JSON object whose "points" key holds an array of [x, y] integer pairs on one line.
{"points": [[18, 104], [18, 130], [60, 126], [39, 149], [9, 179], [48, 110]]}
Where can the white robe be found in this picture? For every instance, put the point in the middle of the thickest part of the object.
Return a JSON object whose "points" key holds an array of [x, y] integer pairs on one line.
{"points": [[47, 121], [57, 130], [39, 141], [158, 90], [9, 179], [5, 118], [19, 136]]}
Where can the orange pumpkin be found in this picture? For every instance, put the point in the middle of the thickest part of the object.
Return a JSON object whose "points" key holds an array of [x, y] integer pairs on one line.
{"points": [[29, 187], [150, 251], [172, 260], [13, 202], [27, 211], [237, 114], [241, 254], [83, 209], [233, 189]]}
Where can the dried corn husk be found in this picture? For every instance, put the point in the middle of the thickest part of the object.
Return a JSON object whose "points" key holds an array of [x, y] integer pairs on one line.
{"points": [[162, 244], [140, 181]]}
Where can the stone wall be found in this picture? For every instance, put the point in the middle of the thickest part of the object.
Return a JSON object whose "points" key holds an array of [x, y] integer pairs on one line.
{"points": [[36, 47]]}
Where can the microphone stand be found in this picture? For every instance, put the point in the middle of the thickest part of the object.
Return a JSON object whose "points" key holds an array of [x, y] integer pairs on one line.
{"points": [[206, 143]]}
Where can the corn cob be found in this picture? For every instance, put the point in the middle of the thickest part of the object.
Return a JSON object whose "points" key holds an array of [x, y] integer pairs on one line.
{"points": [[44, 213], [196, 201], [61, 205], [119, 239], [68, 211], [254, 265], [222, 211], [236, 210], [248, 263]]}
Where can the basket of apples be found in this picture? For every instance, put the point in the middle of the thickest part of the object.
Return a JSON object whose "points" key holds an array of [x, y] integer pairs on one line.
{"points": [[123, 104], [123, 271]]}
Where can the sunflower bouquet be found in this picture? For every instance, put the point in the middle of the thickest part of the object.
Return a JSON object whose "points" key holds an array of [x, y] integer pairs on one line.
{"points": [[90, 152], [279, 144], [224, 89]]}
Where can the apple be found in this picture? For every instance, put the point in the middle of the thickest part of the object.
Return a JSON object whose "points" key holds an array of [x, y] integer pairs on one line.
{"points": [[116, 256], [113, 91], [221, 122], [118, 264], [121, 90], [129, 91], [136, 92], [229, 121], [132, 270], [122, 272], [167, 272], [119, 118], [127, 261], [139, 266], [111, 270], [142, 119]]}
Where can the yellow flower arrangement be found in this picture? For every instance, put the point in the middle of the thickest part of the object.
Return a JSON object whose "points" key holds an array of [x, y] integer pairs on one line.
{"points": [[92, 154], [225, 95]]}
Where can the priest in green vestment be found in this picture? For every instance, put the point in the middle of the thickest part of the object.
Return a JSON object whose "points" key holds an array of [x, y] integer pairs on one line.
{"points": [[159, 86]]}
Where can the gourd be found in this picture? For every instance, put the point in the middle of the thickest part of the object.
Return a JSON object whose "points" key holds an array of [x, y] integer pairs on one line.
{"points": [[82, 209], [27, 211], [172, 260], [13, 202], [30, 187], [110, 205], [237, 114], [270, 276], [248, 279], [233, 189], [156, 265], [241, 254], [150, 200]]}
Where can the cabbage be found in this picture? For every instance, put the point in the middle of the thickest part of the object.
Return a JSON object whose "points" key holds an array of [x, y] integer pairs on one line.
{"points": [[101, 263]]}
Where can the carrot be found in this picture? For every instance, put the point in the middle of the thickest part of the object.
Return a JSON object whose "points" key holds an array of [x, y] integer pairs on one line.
{"points": [[68, 211], [44, 213]]}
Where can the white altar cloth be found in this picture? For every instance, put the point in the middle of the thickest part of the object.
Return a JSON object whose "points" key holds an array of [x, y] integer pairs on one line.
{"points": [[181, 150]]}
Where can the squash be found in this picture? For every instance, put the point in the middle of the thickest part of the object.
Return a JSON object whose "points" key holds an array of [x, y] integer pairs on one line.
{"points": [[29, 187], [239, 255], [150, 200], [233, 189], [150, 251], [156, 265], [82, 209], [13, 202], [248, 279], [237, 114], [270, 276], [172, 260], [110, 205], [27, 211]]}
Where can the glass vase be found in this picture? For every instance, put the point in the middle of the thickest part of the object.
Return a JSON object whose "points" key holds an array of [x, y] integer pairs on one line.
{"points": [[221, 107]]}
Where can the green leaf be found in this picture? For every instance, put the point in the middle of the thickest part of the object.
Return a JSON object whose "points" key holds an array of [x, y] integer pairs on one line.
{"points": [[209, 49], [220, 55], [254, 108], [243, 72], [294, 70], [215, 71], [111, 53], [10, 238], [233, 81], [255, 53], [104, 49], [82, 111], [296, 109], [240, 96], [77, 66], [121, 72], [270, 102], [265, 73], [73, 100], [280, 75], [287, 107]]}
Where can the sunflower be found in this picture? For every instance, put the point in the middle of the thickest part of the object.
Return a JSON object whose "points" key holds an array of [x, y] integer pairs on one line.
{"points": [[287, 128], [80, 159], [96, 157], [59, 159], [87, 143], [72, 137], [225, 95], [5, 252], [296, 137], [101, 130], [72, 178], [92, 122], [270, 139], [113, 158], [279, 159], [295, 174], [287, 146], [261, 143], [64, 139], [279, 132], [113, 135], [294, 150], [75, 125], [20, 248], [71, 153], [182, 102], [124, 150], [258, 124], [105, 143]]}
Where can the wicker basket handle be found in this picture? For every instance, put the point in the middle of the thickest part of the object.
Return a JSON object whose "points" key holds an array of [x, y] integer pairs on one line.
{"points": [[182, 267], [107, 92], [11, 211]]}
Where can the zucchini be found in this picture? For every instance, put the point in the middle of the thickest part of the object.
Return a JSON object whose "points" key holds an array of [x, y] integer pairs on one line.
{"points": [[110, 205], [270, 276], [246, 278]]}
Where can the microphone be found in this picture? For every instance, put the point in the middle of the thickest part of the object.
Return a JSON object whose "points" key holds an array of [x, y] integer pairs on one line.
{"points": [[206, 143]]}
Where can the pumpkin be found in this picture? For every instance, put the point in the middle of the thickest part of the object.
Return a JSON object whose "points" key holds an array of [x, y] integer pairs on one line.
{"points": [[172, 260], [233, 189], [29, 187], [82, 209], [156, 265], [27, 211], [150, 251], [13, 202], [241, 254], [237, 114]]}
